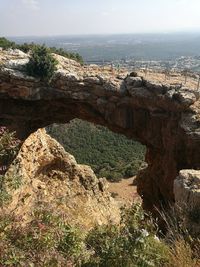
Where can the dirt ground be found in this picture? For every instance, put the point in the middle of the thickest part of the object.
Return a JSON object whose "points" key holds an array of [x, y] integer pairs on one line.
{"points": [[125, 192]]}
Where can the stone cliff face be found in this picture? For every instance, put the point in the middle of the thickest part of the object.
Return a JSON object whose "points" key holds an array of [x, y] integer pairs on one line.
{"points": [[187, 199], [163, 117], [45, 176]]}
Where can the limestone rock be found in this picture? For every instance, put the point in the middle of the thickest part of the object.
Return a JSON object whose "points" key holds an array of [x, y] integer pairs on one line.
{"points": [[134, 81], [187, 198], [163, 117], [16, 53], [17, 64], [51, 178]]}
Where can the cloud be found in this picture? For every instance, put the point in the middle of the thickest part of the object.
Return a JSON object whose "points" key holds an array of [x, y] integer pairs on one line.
{"points": [[32, 4], [105, 13]]}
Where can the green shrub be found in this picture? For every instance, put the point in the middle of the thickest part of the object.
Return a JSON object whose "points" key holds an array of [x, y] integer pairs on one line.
{"points": [[27, 47], [4, 197], [5, 43], [62, 52], [41, 64], [48, 241], [71, 244], [9, 146], [131, 244]]}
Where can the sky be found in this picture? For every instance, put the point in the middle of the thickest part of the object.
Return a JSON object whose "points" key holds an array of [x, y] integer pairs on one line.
{"points": [[66, 17]]}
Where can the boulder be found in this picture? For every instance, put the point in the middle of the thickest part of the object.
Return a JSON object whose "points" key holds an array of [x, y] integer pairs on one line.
{"points": [[187, 198], [48, 177]]}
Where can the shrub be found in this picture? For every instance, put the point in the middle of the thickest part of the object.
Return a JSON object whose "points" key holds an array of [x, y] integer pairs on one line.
{"points": [[41, 64], [131, 244], [26, 47], [45, 241], [9, 146], [71, 244], [48, 241], [62, 52], [5, 44]]}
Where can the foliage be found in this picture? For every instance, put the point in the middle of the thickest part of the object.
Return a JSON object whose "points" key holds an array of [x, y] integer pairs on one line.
{"points": [[48, 241], [42, 64], [4, 196], [132, 243], [4, 43], [27, 47], [45, 241], [71, 243], [62, 52], [9, 146], [110, 155]]}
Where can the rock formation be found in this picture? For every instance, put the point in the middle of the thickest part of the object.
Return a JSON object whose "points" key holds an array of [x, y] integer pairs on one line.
{"points": [[163, 117], [45, 176], [187, 199]]}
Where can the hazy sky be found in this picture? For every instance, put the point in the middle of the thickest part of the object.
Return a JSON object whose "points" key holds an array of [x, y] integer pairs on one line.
{"points": [[62, 17]]}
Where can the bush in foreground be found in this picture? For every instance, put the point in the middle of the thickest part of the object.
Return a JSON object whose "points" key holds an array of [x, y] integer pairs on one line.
{"points": [[42, 64], [48, 241]]}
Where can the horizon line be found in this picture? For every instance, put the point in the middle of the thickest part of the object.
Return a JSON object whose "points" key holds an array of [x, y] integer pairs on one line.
{"points": [[106, 34]]}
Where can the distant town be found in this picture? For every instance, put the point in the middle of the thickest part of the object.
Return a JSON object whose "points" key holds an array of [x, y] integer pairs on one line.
{"points": [[190, 64]]}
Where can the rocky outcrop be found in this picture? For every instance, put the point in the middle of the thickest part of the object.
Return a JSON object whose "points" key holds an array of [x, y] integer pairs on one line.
{"points": [[44, 176], [163, 117], [187, 199]]}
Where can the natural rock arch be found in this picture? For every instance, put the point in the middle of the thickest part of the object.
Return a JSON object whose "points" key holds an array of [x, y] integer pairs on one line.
{"points": [[163, 118]]}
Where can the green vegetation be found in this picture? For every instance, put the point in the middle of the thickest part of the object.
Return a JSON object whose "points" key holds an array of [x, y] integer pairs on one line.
{"points": [[42, 64], [5, 44], [110, 155], [62, 52], [132, 243], [9, 146], [48, 241]]}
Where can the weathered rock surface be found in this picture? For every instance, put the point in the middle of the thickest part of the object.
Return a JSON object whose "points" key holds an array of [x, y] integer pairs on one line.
{"points": [[164, 118], [187, 198], [45, 176]]}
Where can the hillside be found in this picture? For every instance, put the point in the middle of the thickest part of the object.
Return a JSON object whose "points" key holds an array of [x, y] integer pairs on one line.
{"points": [[110, 155]]}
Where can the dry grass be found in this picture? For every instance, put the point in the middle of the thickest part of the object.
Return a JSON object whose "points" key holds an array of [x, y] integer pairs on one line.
{"points": [[172, 78], [182, 255]]}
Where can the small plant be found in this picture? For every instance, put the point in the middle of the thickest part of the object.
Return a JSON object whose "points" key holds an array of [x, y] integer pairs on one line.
{"points": [[14, 182], [71, 243], [42, 64], [9, 146], [4, 197]]}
